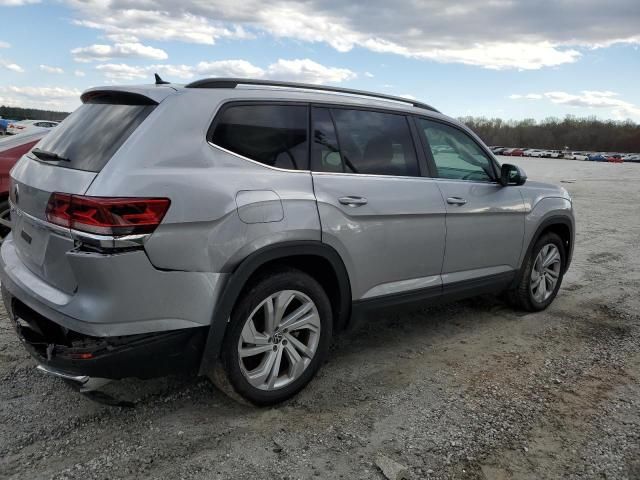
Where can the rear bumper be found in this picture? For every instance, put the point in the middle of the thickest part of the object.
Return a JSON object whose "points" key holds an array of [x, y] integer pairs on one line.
{"points": [[73, 355], [117, 294]]}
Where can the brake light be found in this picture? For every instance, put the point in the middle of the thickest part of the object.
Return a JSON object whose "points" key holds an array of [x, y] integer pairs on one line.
{"points": [[106, 215]]}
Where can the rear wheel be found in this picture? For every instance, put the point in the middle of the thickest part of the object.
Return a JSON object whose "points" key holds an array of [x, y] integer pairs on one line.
{"points": [[279, 335], [5, 216], [542, 274]]}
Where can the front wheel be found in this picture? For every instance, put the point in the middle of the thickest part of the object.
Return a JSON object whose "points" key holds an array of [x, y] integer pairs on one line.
{"points": [[542, 274], [279, 335]]}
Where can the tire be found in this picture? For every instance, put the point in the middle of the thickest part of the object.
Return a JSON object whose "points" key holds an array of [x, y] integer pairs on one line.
{"points": [[253, 375], [531, 294], [4, 214]]}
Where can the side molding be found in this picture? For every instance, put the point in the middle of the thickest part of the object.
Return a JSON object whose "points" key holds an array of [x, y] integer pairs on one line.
{"points": [[240, 276]]}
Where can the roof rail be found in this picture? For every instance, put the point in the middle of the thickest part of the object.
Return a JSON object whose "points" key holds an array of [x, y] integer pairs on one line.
{"points": [[234, 82]]}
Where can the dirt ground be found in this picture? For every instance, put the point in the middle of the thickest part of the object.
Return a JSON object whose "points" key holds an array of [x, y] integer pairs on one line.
{"points": [[468, 390]]}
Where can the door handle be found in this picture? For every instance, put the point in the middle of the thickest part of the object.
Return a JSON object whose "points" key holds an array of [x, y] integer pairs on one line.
{"points": [[353, 201], [456, 201]]}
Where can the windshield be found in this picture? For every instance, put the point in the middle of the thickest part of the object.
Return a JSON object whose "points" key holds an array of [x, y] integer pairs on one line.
{"points": [[90, 136]]}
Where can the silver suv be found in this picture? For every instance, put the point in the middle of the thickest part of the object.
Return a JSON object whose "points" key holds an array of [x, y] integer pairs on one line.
{"points": [[234, 226]]}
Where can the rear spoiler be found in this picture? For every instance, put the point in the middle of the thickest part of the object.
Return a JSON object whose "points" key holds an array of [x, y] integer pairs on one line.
{"points": [[134, 95]]}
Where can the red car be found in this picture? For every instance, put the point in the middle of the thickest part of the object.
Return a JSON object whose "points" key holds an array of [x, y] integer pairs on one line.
{"points": [[518, 152], [11, 149], [615, 159]]}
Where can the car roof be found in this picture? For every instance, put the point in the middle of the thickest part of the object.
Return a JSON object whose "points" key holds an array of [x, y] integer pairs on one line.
{"points": [[280, 91]]}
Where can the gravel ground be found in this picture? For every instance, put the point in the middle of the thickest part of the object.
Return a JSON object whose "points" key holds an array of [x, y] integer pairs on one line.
{"points": [[467, 390]]}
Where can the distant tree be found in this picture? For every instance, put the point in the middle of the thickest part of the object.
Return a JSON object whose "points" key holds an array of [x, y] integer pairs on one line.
{"points": [[17, 113], [554, 133]]}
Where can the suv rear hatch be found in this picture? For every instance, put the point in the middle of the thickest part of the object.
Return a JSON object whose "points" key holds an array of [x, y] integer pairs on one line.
{"points": [[68, 160]]}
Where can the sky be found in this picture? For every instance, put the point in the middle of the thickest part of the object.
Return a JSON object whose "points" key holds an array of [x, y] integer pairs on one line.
{"points": [[511, 59]]}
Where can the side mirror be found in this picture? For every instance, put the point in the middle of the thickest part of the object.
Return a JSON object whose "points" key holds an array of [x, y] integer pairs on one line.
{"points": [[512, 175]]}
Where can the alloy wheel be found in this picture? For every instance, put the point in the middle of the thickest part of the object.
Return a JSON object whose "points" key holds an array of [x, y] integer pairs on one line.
{"points": [[545, 272], [279, 340]]}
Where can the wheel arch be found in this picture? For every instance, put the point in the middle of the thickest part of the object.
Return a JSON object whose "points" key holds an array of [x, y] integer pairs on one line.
{"points": [[563, 227], [313, 257]]}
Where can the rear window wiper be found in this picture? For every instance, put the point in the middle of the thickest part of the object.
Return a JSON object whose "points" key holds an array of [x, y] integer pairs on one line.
{"points": [[49, 156]]}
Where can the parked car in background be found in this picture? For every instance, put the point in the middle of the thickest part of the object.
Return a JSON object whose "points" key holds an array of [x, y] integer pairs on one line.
{"points": [[517, 152], [500, 150], [507, 151], [25, 125], [243, 248], [632, 157], [615, 158], [536, 153], [4, 123], [597, 157], [576, 156], [11, 149]]}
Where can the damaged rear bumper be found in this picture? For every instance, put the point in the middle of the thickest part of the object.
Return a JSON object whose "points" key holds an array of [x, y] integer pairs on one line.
{"points": [[72, 355]]}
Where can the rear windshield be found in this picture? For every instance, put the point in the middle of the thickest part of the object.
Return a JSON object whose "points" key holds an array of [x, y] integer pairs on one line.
{"points": [[90, 136]]}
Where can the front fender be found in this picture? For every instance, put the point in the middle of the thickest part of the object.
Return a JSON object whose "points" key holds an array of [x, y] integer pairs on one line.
{"points": [[546, 212]]}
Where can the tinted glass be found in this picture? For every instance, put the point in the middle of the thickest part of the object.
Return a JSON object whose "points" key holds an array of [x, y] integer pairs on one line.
{"points": [[93, 133], [375, 143], [275, 135], [456, 154], [325, 155]]}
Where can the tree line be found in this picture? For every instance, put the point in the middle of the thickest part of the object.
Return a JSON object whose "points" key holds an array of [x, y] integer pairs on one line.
{"points": [[588, 134], [17, 113]]}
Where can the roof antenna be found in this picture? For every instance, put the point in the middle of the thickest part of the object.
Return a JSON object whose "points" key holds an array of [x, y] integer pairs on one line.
{"points": [[160, 81]]}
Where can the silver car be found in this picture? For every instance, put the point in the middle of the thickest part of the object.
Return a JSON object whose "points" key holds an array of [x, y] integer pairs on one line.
{"points": [[232, 227]]}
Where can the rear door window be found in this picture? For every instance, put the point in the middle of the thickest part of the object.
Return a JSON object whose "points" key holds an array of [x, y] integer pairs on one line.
{"points": [[92, 134], [375, 143], [275, 135]]}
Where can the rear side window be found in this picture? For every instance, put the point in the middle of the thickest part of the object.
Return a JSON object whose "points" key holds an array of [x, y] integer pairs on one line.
{"points": [[90, 136], [375, 143], [275, 135]]}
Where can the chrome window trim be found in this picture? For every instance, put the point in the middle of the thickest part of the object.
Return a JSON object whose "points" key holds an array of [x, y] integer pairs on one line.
{"points": [[421, 177]]}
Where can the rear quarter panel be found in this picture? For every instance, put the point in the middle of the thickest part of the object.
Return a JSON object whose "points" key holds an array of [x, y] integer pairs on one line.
{"points": [[168, 156]]}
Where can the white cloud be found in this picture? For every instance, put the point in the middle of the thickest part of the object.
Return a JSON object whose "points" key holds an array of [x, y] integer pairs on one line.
{"points": [[307, 71], [152, 23], [301, 70], [55, 98], [79, 73], [4, 44], [502, 56], [229, 68], [119, 50], [528, 37], [14, 67], [369, 74], [593, 99], [50, 69], [121, 71]]}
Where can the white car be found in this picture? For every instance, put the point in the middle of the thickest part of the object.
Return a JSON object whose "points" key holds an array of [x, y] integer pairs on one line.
{"points": [[577, 156], [536, 153], [26, 125]]}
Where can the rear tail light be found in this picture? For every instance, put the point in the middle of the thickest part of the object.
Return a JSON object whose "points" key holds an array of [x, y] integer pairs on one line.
{"points": [[106, 215]]}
